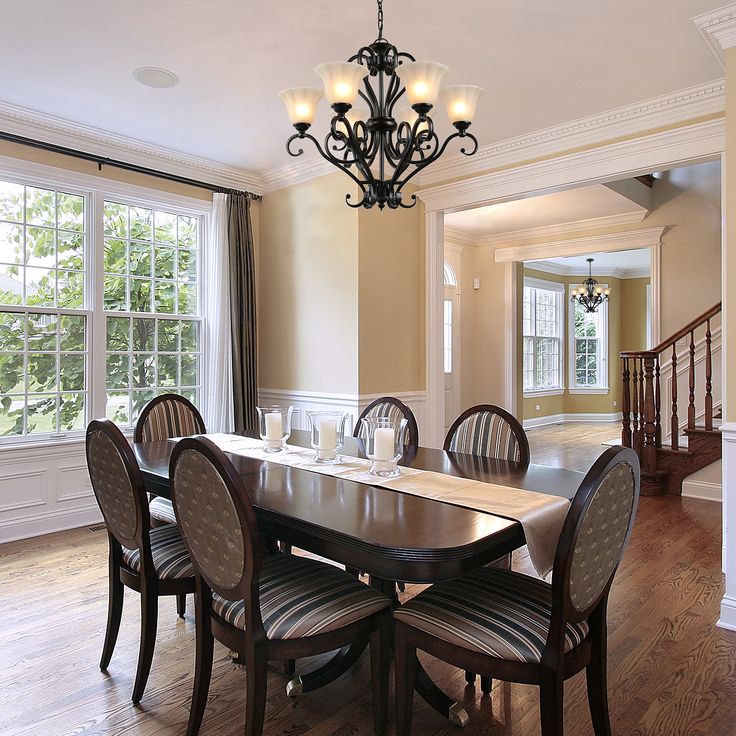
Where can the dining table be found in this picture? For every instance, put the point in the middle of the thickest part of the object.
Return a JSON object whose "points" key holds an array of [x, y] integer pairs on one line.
{"points": [[388, 535]]}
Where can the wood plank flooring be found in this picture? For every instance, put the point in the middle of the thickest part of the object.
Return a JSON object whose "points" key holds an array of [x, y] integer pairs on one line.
{"points": [[671, 671]]}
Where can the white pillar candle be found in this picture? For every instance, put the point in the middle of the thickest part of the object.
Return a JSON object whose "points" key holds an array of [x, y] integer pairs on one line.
{"points": [[327, 431], [383, 444], [274, 426]]}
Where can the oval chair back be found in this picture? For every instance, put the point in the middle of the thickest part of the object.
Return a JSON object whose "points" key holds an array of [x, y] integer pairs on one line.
{"points": [[593, 539], [166, 416], [118, 487], [388, 406], [217, 523], [488, 431]]}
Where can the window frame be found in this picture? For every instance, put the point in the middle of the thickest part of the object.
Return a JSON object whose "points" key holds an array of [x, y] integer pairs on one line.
{"points": [[95, 190], [603, 385], [559, 290]]}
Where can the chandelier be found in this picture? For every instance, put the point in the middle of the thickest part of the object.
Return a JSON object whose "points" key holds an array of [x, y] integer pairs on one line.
{"points": [[383, 147], [590, 295]]}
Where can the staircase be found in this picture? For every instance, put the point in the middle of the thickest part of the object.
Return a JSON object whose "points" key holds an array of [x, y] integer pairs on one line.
{"points": [[667, 457]]}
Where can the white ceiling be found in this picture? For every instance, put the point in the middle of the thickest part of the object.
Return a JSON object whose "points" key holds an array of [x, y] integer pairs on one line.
{"points": [[632, 261], [541, 63], [571, 206]]}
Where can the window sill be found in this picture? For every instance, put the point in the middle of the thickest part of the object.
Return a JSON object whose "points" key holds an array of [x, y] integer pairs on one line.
{"points": [[544, 392], [48, 443], [593, 391]]}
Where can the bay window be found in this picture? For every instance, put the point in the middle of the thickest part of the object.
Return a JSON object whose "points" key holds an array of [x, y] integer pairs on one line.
{"points": [[542, 323], [588, 347]]}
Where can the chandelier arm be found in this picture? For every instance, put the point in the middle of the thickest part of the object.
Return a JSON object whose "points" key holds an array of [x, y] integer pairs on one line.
{"points": [[414, 200]]}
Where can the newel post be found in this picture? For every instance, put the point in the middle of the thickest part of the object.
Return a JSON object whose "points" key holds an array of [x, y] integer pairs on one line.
{"points": [[649, 413]]}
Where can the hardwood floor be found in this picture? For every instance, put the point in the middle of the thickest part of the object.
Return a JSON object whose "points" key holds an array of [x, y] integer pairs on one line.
{"points": [[571, 445]]}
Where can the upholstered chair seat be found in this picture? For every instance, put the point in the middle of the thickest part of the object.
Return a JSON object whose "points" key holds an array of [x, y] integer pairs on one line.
{"points": [[162, 510], [170, 556], [490, 611], [327, 598]]}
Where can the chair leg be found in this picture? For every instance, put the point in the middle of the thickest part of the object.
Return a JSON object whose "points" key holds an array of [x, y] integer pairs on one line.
{"points": [[203, 661], [256, 682], [486, 684], [380, 643], [181, 604], [470, 677], [149, 623], [289, 667], [596, 676], [405, 668], [114, 610], [551, 691]]}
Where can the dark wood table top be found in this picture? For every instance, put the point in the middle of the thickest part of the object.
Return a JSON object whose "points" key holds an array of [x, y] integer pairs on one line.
{"points": [[389, 534]]}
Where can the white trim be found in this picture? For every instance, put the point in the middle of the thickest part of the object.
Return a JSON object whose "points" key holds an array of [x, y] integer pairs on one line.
{"points": [[30, 123], [630, 120], [532, 283], [626, 240], [544, 392], [728, 604], [718, 28], [517, 237], [454, 248], [310, 165], [562, 418], [599, 391], [702, 490], [560, 269], [434, 364], [459, 238], [511, 358]]}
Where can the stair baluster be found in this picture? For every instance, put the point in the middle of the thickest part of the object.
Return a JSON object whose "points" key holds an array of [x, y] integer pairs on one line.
{"points": [[635, 409], [642, 406], [626, 404], [649, 454], [657, 406], [675, 420], [691, 384], [708, 380]]}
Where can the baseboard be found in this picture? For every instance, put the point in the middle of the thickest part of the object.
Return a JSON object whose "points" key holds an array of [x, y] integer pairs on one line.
{"points": [[728, 614], [702, 490], [578, 417], [58, 520]]}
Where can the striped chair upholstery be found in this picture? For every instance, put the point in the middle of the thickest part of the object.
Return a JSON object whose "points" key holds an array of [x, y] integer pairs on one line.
{"points": [[302, 597], [170, 557], [166, 416], [389, 408], [491, 611], [488, 432]]}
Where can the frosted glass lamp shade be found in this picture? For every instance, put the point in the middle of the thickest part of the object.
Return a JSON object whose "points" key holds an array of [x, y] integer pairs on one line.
{"points": [[422, 80], [301, 103], [355, 114], [406, 114], [341, 80], [461, 101]]}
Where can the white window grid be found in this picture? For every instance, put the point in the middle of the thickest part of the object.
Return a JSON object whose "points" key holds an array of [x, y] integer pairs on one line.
{"points": [[589, 352], [542, 327], [447, 334]]}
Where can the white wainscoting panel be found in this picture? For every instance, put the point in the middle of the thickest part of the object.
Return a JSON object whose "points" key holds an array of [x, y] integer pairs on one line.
{"points": [[728, 604], [353, 404], [43, 489]]}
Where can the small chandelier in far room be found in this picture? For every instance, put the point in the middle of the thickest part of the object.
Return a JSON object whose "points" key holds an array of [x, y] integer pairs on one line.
{"points": [[590, 295], [381, 148]]}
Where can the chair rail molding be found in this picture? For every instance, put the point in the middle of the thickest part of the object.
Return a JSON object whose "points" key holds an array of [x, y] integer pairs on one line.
{"points": [[728, 604]]}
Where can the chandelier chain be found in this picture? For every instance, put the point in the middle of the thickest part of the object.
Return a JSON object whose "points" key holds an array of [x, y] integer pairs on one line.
{"points": [[380, 20]]}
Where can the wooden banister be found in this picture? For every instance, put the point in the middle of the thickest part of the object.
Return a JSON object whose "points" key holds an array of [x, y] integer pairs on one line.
{"points": [[641, 400]]}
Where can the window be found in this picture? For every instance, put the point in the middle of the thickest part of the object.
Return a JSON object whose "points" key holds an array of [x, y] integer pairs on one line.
{"points": [[589, 347], [55, 374], [447, 331], [542, 335]]}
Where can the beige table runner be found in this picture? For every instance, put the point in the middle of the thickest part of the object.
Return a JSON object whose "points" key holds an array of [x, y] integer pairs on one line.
{"points": [[541, 515]]}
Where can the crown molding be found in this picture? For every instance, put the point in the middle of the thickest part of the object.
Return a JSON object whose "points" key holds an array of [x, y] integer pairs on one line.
{"points": [[561, 270], [630, 120], [460, 237], [718, 29], [563, 231], [51, 129], [295, 172], [451, 247], [626, 240]]}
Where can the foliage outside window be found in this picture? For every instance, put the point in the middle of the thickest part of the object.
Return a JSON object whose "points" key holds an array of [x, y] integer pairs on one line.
{"points": [[542, 336], [589, 347], [49, 307]]}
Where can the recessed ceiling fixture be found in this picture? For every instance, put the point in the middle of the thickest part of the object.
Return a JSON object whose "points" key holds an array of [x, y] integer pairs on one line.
{"points": [[383, 147], [153, 76], [590, 295]]}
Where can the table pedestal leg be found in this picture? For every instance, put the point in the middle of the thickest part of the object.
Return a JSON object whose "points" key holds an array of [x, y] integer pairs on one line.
{"points": [[340, 663]]}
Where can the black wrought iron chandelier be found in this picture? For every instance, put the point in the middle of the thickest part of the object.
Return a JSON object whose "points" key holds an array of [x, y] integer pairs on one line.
{"points": [[590, 295], [382, 148]]}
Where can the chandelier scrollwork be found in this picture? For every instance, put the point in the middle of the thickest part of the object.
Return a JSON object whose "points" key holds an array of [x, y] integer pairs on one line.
{"points": [[590, 295], [383, 148]]}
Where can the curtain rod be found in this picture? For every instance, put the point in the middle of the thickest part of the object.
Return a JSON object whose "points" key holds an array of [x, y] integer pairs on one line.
{"points": [[115, 163]]}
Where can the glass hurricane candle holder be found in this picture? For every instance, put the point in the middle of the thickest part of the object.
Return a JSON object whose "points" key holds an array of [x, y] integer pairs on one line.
{"points": [[384, 444], [327, 434], [274, 426]]}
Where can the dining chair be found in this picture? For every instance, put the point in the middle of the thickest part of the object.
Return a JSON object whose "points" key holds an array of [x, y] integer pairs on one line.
{"points": [[164, 417], [521, 629], [153, 562], [488, 431], [388, 406], [264, 607]]}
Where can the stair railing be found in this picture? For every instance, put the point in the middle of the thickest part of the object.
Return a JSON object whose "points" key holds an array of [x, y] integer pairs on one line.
{"points": [[641, 400]]}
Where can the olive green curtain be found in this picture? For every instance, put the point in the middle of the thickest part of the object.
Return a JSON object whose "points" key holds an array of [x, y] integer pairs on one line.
{"points": [[243, 313]]}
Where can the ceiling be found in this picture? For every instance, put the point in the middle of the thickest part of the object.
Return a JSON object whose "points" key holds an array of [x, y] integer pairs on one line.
{"points": [[634, 262], [541, 64], [571, 206]]}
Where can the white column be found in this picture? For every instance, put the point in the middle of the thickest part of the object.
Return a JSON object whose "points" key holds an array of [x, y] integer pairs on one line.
{"points": [[432, 434]]}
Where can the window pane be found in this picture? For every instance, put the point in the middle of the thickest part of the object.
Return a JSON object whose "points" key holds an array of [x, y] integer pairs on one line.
{"points": [[41, 414], [11, 201]]}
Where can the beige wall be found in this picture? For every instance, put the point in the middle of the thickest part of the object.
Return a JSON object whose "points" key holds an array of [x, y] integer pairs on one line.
{"points": [[308, 288]]}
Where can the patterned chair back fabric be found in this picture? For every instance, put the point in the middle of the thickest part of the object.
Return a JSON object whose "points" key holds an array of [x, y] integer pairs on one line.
{"points": [[488, 431], [602, 534], [390, 408], [116, 483], [166, 416], [216, 518]]}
